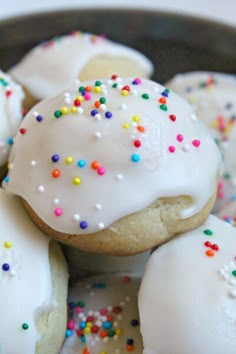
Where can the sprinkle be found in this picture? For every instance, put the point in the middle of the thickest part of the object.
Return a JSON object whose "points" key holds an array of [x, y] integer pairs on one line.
{"points": [[179, 138], [101, 225], [98, 206], [58, 211], [56, 173], [145, 96], [108, 115], [55, 158], [134, 323], [163, 107], [77, 181], [5, 267], [171, 149], [10, 141], [119, 176], [95, 165], [25, 326], [101, 170], [208, 232], [137, 143], [81, 163], [210, 253], [76, 217], [234, 272], [172, 117], [69, 160], [196, 142], [94, 112], [33, 163], [41, 189], [56, 201], [22, 131], [83, 224], [136, 81], [57, 114], [98, 135], [135, 158], [7, 244]]}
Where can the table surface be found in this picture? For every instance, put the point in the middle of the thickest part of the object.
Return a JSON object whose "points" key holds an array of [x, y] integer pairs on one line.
{"points": [[222, 11]]}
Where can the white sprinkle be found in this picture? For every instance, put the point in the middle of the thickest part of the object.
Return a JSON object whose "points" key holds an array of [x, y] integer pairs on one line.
{"points": [[104, 90], [123, 106], [157, 89], [98, 206], [90, 313], [115, 337], [98, 323], [33, 163], [110, 82], [98, 116], [232, 281], [119, 87], [185, 147], [119, 177], [122, 304], [115, 324], [97, 339], [232, 292], [98, 135], [134, 124], [12, 272], [101, 225], [66, 94], [80, 110], [226, 277], [92, 343], [35, 114], [193, 116], [232, 264], [134, 92], [41, 189], [103, 107], [106, 340], [119, 317], [118, 79], [56, 201], [76, 217], [109, 308], [68, 100], [80, 315]]}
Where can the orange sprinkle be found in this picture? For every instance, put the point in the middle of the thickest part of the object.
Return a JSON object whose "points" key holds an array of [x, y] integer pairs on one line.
{"points": [[95, 165], [141, 129], [97, 104], [103, 334], [55, 173], [88, 88], [85, 351], [210, 253], [129, 348], [162, 100]]}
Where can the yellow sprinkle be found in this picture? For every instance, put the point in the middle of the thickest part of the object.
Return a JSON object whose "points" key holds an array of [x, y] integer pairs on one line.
{"points": [[124, 93], [80, 98], [126, 125], [87, 330], [7, 244], [64, 110], [215, 124], [89, 324], [77, 181], [136, 119], [73, 109], [119, 331], [69, 160], [97, 89]]}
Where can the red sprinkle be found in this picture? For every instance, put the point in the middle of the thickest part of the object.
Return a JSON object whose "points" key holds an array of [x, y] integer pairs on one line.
{"points": [[172, 117], [22, 131]]}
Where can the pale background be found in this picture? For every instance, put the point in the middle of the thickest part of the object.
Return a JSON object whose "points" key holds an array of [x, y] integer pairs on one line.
{"points": [[220, 10]]}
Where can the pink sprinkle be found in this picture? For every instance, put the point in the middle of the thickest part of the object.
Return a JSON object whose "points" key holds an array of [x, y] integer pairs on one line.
{"points": [[220, 185], [8, 93], [196, 142], [101, 170], [103, 311], [171, 149], [79, 309], [226, 217], [71, 324], [58, 211], [138, 80], [87, 96], [220, 194], [180, 137]]}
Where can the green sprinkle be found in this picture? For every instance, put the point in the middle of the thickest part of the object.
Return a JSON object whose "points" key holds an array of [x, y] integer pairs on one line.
{"points": [[57, 114], [81, 88], [227, 175], [98, 83], [111, 333], [81, 304], [163, 107], [234, 273], [167, 90], [4, 82], [115, 85], [25, 326], [102, 100], [217, 141], [208, 232], [145, 96]]}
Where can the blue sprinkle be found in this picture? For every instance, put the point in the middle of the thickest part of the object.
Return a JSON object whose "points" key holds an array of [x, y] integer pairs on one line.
{"points": [[39, 118], [83, 339], [164, 93], [107, 324], [135, 158], [94, 112], [6, 179], [82, 324], [10, 141], [5, 267], [83, 224], [55, 158], [71, 305], [81, 163], [68, 333], [108, 114]]}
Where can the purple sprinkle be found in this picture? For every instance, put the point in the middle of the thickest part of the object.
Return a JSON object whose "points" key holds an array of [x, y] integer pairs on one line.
{"points": [[94, 112], [55, 158], [83, 224], [39, 118], [108, 114], [5, 267]]}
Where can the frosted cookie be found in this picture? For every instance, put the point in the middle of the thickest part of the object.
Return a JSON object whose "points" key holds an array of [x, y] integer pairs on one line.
{"points": [[213, 96], [80, 263], [52, 66], [103, 316], [11, 98], [188, 293], [114, 166], [33, 284]]}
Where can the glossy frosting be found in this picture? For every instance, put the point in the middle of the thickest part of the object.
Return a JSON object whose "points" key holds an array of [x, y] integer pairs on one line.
{"points": [[100, 151], [104, 316], [213, 96], [187, 299], [52, 66], [25, 287], [11, 97]]}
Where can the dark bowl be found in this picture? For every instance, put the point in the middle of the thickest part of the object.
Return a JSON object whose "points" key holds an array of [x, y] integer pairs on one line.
{"points": [[174, 43]]}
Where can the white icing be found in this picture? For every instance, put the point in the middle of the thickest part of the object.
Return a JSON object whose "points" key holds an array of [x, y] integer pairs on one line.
{"points": [[213, 96], [11, 97], [51, 67], [159, 173], [25, 289], [187, 299], [105, 292]]}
